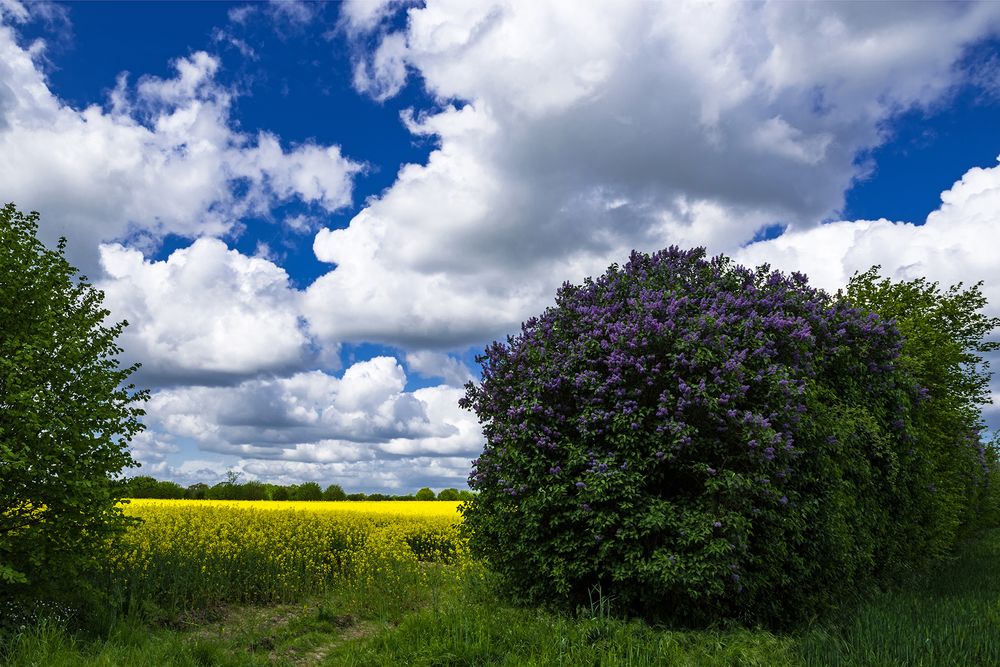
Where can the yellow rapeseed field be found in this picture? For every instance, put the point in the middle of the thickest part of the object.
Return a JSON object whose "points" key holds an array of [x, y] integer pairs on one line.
{"points": [[185, 552]]}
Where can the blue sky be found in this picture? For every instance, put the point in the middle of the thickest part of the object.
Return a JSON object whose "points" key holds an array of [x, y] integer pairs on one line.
{"points": [[315, 214]]}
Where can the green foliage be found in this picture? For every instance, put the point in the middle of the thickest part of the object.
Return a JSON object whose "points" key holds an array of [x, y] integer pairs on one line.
{"points": [[448, 494], [307, 491], [66, 416], [197, 491], [334, 492], [144, 486], [253, 490], [944, 335], [231, 489], [425, 494], [943, 617], [221, 491], [702, 441], [989, 510]]}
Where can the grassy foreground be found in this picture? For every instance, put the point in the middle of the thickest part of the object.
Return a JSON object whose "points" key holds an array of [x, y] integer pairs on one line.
{"points": [[950, 616]]}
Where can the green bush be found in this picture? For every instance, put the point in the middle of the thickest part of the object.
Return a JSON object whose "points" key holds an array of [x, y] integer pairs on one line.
{"points": [[701, 441]]}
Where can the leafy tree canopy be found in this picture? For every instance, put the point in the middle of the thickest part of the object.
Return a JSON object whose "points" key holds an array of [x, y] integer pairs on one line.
{"points": [[334, 492], [945, 334], [67, 414]]}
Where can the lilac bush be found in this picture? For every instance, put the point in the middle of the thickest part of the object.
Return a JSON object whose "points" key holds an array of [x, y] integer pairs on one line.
{"points": [[699, 440]]}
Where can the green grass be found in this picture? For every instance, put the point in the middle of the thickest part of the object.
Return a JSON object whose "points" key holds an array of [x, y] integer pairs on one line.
{"points": [[502, 636], [950, 616]]}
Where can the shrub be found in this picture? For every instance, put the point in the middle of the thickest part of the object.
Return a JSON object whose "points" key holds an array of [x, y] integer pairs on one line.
{"points": [[67, 414], [699, 440]]}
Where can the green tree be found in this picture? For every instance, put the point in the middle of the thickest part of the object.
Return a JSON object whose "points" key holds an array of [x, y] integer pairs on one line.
{"points": [[141, 486], [334, 492], [197, 491], [945, 333], [448, 494], [425, 494], [67, 415], [220, 491], [307, 491], [252, 490]]}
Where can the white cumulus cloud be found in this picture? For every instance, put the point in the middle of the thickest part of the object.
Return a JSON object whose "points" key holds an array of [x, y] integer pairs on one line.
{"points": [[954, 245], [438, 365], [569, 134], [162, 157], [205, 314], [316, 417]]}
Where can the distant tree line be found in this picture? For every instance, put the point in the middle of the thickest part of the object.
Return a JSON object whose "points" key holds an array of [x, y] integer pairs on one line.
{"points": [[145, 486]]}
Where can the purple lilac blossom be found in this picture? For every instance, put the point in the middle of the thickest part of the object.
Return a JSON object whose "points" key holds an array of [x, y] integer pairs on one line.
{"points": [[662, 366]]}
